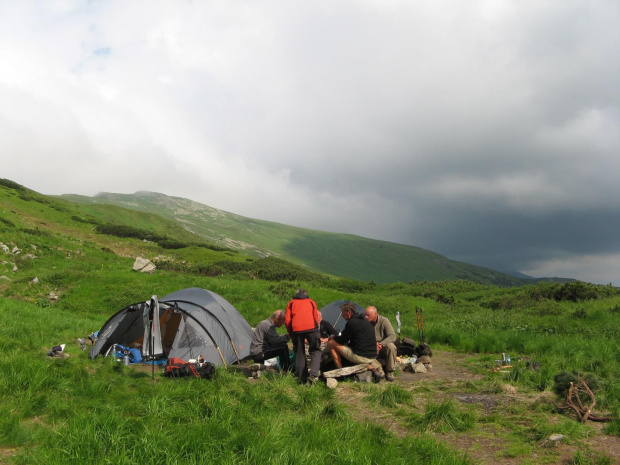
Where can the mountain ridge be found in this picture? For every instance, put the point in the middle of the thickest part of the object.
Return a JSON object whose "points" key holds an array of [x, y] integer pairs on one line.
{"points": [[345, 255]]}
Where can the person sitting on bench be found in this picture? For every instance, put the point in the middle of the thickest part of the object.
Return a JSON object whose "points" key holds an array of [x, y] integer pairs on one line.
{"points": [[267, 343], [384, 332], [356, 343]]}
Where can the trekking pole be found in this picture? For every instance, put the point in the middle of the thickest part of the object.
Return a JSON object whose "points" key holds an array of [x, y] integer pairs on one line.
{"points": [[419, 317]]}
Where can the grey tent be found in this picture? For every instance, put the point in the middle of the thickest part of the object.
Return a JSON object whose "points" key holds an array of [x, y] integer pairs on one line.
{"points": [[331, 313], [192, 322]]}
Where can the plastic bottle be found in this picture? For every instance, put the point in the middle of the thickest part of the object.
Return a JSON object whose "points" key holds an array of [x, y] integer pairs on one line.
{"points": [[507, 359]]}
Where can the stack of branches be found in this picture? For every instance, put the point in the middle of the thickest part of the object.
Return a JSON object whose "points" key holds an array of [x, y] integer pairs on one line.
{"points": [[580, 398]]}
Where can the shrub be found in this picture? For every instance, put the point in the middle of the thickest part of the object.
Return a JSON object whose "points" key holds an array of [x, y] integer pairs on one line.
{"points": [[11, 184], [79, 219], [284, 289], [7, 222], [171, 244], [563, 380], [37, 232]]}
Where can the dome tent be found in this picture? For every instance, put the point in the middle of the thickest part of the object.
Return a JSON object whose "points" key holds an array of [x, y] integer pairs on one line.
{"points": [[189, 323], [331, 313]]}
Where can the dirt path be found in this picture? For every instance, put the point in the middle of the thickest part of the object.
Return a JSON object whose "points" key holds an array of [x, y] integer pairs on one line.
{"points": [[449, 373]]}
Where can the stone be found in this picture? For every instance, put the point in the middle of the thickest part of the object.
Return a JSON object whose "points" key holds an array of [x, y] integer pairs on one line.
{"points": [[365, 377], [331, 383], [419, 368], [553, 440], [144, 265]]}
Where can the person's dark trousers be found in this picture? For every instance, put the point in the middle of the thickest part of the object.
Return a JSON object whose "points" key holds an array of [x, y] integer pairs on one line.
{"points": [[314, 349], [277, 350]]}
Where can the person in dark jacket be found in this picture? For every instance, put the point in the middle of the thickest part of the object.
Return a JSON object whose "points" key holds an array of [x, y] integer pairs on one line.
{"points": [[326, 329], [356, 343], [302, 323], [267, 343]]}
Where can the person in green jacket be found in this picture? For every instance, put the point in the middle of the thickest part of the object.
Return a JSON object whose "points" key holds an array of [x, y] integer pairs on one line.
{"points": [[386, 337]]}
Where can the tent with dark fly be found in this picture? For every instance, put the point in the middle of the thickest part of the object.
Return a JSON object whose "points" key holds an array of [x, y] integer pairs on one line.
{"points": [[331, 313], [185, 324]]}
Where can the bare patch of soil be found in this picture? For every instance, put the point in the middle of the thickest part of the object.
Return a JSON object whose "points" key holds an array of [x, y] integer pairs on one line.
{"points": [[6, 454]]}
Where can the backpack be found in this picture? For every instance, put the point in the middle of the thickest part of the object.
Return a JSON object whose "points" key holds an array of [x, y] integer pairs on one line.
{"points": [[405, 347], [179, 368], [423, 349]]}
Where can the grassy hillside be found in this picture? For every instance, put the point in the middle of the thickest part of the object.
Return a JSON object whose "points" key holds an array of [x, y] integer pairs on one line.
{"points": [[82, 411], [337, 254]]}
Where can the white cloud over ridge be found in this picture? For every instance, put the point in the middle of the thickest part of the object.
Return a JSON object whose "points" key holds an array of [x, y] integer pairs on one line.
{"points": [[486, 130]]}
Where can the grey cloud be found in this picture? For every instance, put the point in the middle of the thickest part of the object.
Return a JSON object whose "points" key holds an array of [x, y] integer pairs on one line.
{"points": [[486, 131]]}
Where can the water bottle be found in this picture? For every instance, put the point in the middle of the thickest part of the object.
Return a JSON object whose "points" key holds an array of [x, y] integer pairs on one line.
{"points": [[126, 357], [507, 359]]}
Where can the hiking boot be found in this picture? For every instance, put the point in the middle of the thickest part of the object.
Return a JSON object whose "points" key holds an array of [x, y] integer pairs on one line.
{"points": [[377, 374], [312, 380], [390, 376], [257, 367]]}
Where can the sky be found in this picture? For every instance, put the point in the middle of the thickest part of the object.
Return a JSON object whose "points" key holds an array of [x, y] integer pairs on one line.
{"points": [[487, 130]]}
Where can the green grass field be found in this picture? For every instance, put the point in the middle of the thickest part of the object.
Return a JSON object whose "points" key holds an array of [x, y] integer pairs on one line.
{"points": [[55, 411]]}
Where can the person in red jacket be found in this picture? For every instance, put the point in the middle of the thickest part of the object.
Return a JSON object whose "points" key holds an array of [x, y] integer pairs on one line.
{"points": [[302, 323]]}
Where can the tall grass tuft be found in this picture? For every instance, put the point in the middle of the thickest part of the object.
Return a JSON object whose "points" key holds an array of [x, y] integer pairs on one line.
{"points": [[442, 417], [391, 396]]}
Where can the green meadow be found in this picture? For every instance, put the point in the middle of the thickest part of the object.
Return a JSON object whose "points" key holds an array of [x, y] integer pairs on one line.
{"points": [[66, 411]]}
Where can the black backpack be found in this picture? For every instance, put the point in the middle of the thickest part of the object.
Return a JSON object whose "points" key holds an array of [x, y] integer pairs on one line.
{"points": [[405, 347], [423, 349]]}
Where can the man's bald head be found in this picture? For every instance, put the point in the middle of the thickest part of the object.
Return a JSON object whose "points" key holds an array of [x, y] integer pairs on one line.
{"points": [[372, 314]]}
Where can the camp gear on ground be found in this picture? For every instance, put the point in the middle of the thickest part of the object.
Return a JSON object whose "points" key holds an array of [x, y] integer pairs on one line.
{"points": [[423, 349], [56, 351], [178, 368], [405, 347]]}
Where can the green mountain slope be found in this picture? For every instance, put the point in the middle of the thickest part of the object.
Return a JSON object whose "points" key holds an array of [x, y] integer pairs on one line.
{"points": [[336, 254]]}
